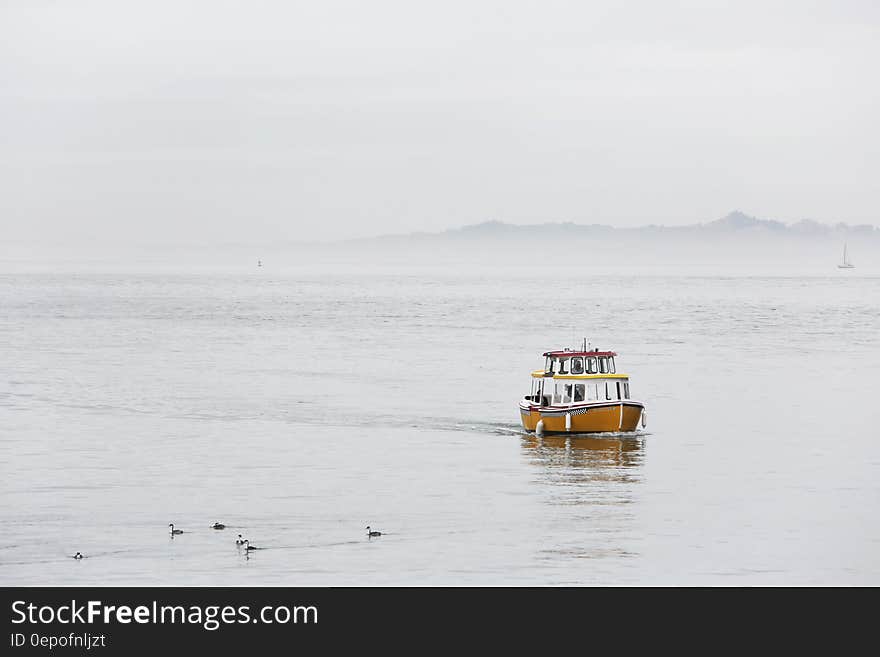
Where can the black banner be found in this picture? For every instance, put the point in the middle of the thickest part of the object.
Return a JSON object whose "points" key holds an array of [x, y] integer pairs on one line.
{"points": [[104, 621]]}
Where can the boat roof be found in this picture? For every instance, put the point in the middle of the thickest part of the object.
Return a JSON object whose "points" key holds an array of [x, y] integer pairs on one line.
{"points": [[566, 354], [541, 374]]}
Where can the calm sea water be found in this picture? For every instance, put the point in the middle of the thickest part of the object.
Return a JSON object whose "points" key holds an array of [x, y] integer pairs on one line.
{"points": [[298, 407]]}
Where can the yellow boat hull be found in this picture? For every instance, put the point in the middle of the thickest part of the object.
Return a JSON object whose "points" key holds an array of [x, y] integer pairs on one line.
{"points": [[589, 418]]}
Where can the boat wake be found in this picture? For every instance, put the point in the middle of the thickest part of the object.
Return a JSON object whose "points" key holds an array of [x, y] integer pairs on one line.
{"points": [[496, 428]]}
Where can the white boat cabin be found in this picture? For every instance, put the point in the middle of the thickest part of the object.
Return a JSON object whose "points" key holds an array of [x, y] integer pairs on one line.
{"points": [[577, 377]]}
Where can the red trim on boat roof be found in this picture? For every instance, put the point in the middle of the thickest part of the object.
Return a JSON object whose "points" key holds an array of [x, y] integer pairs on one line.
{"points": [[578, 353]]}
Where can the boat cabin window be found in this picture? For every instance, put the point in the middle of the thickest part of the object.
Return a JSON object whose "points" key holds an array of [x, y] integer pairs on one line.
{"points": [[537, 390], [591, 365], [608, 391], [577, 365], [566, 393], [611, 367], [562, 363], [626, 389], [603, 365], [561, 391]]}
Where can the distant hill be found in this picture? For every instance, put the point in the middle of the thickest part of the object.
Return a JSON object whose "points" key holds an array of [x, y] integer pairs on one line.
{"points": [[733, 224], [736, 241], [737, 220]]}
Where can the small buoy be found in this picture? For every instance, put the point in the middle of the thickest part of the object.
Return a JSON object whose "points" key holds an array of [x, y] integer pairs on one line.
{"points": [[539, 428], [568, 421], [644, 419]]}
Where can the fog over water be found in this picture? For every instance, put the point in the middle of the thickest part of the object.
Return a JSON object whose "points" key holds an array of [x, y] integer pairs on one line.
{"points": [[223, 121], [584, 249]]}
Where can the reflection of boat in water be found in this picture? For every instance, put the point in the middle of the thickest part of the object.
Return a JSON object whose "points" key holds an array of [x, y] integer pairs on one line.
{"points": [[586, 451], [846, 264], [580, 392]]}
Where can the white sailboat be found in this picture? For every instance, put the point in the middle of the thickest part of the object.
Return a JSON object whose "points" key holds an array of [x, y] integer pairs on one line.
{"points": [[846, 264]]}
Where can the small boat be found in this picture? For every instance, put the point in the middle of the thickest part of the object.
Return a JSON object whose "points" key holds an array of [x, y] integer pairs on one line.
{"points": [[846, 264], [580, 392]]}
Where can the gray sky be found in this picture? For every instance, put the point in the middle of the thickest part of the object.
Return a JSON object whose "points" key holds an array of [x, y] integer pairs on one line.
{"points": [[179, 120]]}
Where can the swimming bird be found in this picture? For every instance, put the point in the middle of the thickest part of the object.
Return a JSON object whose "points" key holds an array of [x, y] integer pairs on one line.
{"points": [[248, 546], [239, 540], [78, 555], [218, 525], [371, 533], [174, 531]]}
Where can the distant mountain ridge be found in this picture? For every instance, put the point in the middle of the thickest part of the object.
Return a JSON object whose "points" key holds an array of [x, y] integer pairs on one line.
{"points": [[736, 237], [735, 221]]}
